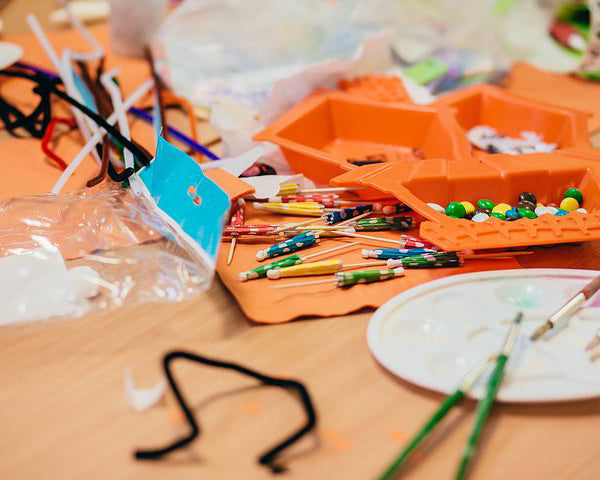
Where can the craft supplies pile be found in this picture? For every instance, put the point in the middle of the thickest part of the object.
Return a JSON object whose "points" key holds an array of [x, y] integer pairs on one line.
{"points": [[322, 159]]}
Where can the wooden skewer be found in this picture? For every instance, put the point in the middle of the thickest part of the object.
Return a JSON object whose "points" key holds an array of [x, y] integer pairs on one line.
{"points": [[293, 226], [231, 250], [353, 219], [369, 237], [301, 284], [330, 250]]}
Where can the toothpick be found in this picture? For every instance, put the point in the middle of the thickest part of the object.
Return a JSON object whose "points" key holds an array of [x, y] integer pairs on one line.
{"points": [[369, 237], [231, 250], [302, 284], [334, 249], [293, 226], [365, 264], [353, 219]]}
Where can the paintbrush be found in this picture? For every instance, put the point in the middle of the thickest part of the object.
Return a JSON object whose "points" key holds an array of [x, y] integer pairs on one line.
{"points": [[568, 309], [485, 404]]}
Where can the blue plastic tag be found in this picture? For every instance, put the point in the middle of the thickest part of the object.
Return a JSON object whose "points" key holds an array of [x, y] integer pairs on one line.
{"points": [[180, 189]]}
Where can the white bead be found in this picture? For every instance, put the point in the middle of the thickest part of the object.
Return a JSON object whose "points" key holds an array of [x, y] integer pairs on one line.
{"points": [[551, 210], [480, 217], [581, 210], [541, 210], [436, 207]]}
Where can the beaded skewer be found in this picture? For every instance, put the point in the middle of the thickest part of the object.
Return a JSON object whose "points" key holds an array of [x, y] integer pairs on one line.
{"points": [[332, 266], [307, 209], [304, 240], [323, 267], [261, 272], [391, 253], [348, 279]]}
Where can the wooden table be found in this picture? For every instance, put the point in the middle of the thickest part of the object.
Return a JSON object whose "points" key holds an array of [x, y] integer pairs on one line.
{"points": [[64, 413]]}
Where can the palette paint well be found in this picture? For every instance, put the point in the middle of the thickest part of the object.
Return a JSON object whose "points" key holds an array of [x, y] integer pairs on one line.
{"points": [[433, 334]]}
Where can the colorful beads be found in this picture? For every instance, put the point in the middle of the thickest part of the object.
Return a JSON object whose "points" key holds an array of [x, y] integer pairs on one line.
{"points": [[480, 217], [485, 204], [456, 209], [512, 214], [570, 204], [528, 197], [526, 213], [501, 208], [574, 193], [436, 207], [469, 208]]}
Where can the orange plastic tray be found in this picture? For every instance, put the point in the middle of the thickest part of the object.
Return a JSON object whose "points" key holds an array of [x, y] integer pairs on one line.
{"points": [[510, 114], [500, 178], [321, 133]]}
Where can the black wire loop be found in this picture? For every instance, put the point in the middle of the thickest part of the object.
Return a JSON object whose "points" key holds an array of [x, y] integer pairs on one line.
{"points": [[269, 458]]}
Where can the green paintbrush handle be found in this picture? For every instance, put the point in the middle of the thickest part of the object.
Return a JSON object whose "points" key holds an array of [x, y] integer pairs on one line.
{"points": [[483, 410], [445, 407]]}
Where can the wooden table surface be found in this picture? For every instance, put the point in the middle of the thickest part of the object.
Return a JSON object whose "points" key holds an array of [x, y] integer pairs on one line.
{"points": [[64, 415]]}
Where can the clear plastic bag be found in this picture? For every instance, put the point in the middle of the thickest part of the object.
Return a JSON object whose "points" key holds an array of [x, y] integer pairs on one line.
{"points": [[70, 254], [239, 48]]}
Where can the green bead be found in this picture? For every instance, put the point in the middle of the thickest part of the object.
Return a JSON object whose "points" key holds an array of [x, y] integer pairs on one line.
{"points": [[289, 261], [485, 204], [574, 193], [498, 215], [456, 209], [527, 213]]}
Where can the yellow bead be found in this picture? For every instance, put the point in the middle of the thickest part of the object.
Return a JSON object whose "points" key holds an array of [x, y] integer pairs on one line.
{"points": [[569, 204], [501, 208], [538, 204], [469, 207]]}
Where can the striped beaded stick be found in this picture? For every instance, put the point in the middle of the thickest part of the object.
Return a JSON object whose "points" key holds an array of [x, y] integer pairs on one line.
{"points": [[393, 253], [291, 260], [383, 224], [348, 279], [331, 218], [294, 244]]}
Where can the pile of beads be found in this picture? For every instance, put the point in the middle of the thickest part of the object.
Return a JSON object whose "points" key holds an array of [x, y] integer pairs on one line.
{"points": [[527, 207]]}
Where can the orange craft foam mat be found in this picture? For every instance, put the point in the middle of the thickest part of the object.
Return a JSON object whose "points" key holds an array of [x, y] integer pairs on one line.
{"points": [[264, 305]]}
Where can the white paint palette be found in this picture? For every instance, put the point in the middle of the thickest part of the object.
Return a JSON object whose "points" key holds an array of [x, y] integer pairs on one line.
{"points": [[432, 335]]}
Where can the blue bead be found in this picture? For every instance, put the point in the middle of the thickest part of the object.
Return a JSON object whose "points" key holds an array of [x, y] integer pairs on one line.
{"points": [[561, 213], [512, 214]]}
